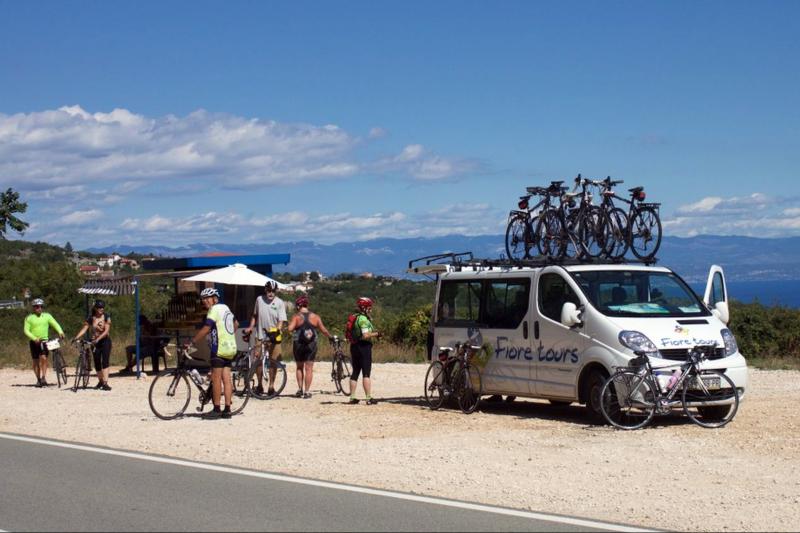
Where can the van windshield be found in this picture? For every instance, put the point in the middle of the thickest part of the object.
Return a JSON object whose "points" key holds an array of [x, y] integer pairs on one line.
{"points": [[628, 293]]}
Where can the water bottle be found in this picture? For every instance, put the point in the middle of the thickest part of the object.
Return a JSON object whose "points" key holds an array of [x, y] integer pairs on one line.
{"points": [[196, 376], [676, 375]]}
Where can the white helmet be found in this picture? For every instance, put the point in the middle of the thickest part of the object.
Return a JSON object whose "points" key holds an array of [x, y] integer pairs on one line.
{"points": [[209, 292], [38, 301]]}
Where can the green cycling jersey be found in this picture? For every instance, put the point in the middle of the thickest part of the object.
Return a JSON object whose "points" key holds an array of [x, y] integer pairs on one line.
{"points": [[37, 327]]}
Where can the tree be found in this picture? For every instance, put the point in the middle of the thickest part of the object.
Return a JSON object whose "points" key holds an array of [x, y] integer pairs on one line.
{"points": [[10, 204], [68, 247]]}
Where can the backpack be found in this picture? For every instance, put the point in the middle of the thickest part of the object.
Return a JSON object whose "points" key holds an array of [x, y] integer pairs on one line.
{"points": [[352, 332], [306, 333]]}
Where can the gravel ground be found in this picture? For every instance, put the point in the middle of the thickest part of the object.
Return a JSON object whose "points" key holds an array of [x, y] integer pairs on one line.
{"points": [[527, 454]]}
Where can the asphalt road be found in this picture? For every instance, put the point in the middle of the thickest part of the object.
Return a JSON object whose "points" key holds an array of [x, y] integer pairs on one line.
{"points": [[51, 486]]}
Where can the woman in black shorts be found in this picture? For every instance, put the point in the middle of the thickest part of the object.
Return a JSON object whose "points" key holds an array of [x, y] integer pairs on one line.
{"points": [[99, 324], [361, 350]]}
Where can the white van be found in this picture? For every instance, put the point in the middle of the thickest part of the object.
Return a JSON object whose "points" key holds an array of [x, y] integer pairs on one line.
{"points": [[557, 331]]}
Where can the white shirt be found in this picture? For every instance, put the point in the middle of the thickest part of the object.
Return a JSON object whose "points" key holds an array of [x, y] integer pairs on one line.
{"points": [[269, 314]]}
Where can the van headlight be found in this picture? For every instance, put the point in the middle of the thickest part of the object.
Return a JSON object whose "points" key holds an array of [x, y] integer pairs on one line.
{"points": [[730, 342], [638, 342]]}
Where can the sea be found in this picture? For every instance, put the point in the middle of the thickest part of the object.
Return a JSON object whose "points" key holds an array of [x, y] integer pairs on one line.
{"points": [[769, 293]]}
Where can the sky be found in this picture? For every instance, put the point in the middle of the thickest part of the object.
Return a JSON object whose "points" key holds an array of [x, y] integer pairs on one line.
{"points": [[169, 123]]}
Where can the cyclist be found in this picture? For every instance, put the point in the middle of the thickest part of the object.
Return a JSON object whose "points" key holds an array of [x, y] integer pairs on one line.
{"points": [[37, 329], [361, 350], [220, 325], [99, 324], [305, 324], [270, 314]]}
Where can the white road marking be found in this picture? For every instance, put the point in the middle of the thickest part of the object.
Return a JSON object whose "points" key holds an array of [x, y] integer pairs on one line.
{"points": [[578, 522]]}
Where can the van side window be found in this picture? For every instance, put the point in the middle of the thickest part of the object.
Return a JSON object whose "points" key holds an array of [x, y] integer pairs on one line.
{"points": [[553, 293], [506, 303], [459, 303]]}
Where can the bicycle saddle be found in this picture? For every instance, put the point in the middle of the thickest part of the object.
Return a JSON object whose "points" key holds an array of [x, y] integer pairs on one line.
{"points": [[636, 190], [536, 190]]}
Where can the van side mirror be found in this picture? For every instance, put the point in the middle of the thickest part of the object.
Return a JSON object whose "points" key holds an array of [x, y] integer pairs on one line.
{"points": [[570, 315], [721, 311]]}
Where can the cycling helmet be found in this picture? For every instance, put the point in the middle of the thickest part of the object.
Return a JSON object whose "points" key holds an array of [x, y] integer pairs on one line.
{"points": [[209, 292], [37, 301], [99, 304], [270, 286], [364, 303], [302, 301]]}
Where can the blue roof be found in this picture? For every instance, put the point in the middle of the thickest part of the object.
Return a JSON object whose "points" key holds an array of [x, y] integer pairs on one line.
{"points": [[254, 262]]}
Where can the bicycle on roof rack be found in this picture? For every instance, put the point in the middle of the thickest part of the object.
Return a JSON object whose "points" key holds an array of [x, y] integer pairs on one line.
{"points": [[525, 226], [638, 230]]}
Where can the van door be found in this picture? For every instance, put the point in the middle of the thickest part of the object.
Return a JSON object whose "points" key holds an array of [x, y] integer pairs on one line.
{"points": [[558, 348], [505, 316], [716, 295]]}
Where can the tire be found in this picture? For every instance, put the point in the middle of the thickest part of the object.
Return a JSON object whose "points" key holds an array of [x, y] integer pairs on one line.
{"points": [[81, 373], [616, 232], [644, 233], [170, 394], [60, 368], [467, 388], [694, 395], [628, 400], [592, 232], [434, 385], [572, 245], [519, 239], [342, 375], [280, 376], [241, 379], [549, 234], [593, 389]]}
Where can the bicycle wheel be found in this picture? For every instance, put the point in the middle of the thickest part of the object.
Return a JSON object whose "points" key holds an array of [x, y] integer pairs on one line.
{"points": [[616, 230], [519, 239], [591, 231], [644, 236], [434, 385], [549, 231], [280, 376], [169, 394], [242, 379], [60, 368], [468, 388], [343, 374], [80, 369], [627, 400], [710, 399], [86, 373]]}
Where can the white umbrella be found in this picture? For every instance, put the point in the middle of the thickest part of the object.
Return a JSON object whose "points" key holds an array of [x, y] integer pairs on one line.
{"points": [[236, 274]]}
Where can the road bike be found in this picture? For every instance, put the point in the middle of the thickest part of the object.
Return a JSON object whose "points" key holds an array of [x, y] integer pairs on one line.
{"points": [[340, 367], [522, 231], [642, 233], [264, 364], [633, 395], [82, 365], [171, 390], [454, 376], [572, 229], [57, 360]]}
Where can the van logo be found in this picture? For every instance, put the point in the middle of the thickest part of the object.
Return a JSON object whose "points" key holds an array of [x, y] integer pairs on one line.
{"points": [[681, 330]]}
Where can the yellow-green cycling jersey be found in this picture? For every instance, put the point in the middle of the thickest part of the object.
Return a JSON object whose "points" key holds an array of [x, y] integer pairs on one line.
{"points": [[37, 327], [222, 339]]}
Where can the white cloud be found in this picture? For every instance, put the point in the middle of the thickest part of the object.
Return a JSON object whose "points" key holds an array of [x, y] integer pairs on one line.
{"points": [[755, 215], [77, 218], [416, 161]]}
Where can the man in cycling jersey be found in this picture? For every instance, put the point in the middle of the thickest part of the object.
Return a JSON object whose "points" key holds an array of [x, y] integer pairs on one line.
{"points": [[220, 327], [270, 314], [361, 351], [305, 324], [37, 329]]}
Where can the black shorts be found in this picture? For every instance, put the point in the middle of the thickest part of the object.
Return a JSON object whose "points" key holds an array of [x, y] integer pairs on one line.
{"points": [[38, 348], [304, 353], [220, 362], [361, 359], [102, 354]]}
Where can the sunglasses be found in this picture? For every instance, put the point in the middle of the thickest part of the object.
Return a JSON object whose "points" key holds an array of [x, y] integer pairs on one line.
{"points": [[35, 306]]}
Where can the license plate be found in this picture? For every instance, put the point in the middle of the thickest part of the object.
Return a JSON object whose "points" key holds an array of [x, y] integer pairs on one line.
{"points": [[711, 382]]}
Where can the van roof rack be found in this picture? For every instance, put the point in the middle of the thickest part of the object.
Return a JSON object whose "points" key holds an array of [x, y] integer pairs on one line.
{"points": [[446, 262]]}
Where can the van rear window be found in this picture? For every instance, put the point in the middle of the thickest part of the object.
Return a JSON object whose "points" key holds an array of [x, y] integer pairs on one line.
{"points": [[626, 293]]}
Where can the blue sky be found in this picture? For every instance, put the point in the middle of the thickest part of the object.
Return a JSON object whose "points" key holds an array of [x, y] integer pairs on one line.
{"points": [[176, 122]]}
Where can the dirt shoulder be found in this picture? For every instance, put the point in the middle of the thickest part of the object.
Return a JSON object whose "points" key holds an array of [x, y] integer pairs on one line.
{"points": [[527, 454]]}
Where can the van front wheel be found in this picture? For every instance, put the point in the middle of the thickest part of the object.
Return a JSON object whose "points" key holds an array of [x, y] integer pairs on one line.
{"points": [[594, 389]]}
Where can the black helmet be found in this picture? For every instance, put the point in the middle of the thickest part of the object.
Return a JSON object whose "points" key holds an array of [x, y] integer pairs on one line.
{"points": [[99, 304]]}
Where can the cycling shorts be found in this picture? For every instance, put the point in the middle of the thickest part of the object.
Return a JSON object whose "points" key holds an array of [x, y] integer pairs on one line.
{"points": [[361, 359], [305, 353], [220, 362], [38, 348], [102, 354]]}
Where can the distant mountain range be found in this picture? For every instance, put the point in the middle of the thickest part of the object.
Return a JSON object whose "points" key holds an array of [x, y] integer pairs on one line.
{"points": [[743, 258]]}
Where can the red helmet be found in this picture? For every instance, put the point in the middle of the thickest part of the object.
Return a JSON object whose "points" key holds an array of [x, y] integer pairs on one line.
{"points": [[364, 303], [302, 301]]}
